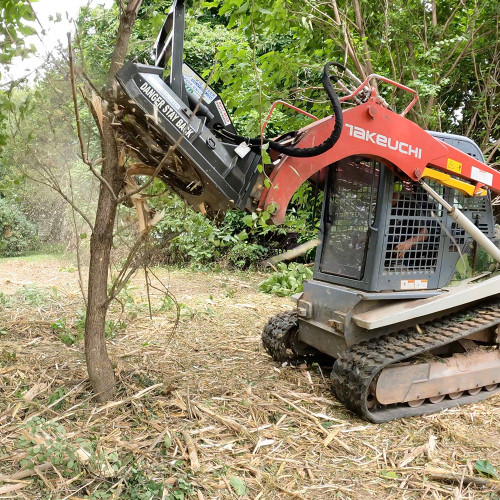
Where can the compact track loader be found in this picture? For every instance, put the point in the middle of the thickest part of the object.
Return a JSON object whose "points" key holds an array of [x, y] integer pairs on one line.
{"points": [[402, 206]]}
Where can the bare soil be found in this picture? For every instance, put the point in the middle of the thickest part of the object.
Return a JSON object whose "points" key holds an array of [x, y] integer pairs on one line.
{"points": [[202, 411]]}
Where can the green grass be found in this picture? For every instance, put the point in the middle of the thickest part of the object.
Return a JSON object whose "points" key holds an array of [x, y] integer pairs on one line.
{"points": [[37, 256], [43, 251]]}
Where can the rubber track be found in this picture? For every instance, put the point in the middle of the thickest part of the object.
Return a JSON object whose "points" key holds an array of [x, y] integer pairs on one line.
{"points": [[279, 340], [354, 371], [276, 336]]}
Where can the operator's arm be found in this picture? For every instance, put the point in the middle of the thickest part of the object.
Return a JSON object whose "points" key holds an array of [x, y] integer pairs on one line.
{"points": [[404, 246]]}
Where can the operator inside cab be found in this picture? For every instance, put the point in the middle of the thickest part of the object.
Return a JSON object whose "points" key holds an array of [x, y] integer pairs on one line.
{"points": [[413, 224]]}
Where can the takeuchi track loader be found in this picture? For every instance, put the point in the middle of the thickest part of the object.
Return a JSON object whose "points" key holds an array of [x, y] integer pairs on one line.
{"points": [[401, 207]]}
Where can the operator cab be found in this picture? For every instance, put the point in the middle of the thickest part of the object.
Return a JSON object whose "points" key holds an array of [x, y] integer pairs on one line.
{"points": [[383, 232]]}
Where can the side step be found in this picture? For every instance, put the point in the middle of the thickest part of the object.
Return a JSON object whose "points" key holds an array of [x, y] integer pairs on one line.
{"points": [[452, 297]]}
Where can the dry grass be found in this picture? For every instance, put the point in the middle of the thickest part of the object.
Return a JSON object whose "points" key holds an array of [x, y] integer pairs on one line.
{"points": [[206, 411]]}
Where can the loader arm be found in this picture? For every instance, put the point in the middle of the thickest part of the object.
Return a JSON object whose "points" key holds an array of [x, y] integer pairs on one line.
{"points": [[173, 116], [374, 131]]}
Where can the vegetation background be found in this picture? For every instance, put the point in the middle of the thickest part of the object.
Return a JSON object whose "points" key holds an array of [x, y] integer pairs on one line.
{"points": [[266, 50]]}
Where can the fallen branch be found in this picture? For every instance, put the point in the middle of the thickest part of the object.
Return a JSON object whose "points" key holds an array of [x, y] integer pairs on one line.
{"points": [[443, 475], [294, 253], [22, 474], [228, 422], [134, 397]]}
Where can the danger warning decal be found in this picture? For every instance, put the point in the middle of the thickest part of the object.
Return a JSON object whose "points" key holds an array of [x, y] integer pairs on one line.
{"points": [[166, 109], [454, 166], [222, 112]]}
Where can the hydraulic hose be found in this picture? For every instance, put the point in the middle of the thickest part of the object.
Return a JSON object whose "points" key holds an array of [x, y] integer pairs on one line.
{"points": [[301, 152]]}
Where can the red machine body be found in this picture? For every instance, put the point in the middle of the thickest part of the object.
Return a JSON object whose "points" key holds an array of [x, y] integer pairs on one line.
{"points": [[372, 130]]}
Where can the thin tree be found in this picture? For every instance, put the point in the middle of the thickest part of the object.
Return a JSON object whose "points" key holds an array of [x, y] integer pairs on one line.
{"points": [[112, 181]]}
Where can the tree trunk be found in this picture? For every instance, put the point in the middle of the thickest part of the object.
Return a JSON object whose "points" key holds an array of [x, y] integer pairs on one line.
{"points": [[100, 369], [99, 365], [434, 14], [127, 20]]}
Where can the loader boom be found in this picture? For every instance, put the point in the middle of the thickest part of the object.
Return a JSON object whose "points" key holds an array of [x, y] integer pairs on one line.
{"points": [[220, 172], [373, 131]]}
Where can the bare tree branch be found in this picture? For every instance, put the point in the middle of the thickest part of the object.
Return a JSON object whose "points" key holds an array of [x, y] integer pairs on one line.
{"points": [[362, 33], [77, 236], [51, 180], [78, 124]]}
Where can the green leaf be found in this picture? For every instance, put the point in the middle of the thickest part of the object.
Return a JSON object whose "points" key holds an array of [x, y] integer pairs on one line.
{"points": [[389, 474], [482, 261], [243, 8], [485, 468], [463, 267], [26, 30], [248, 220], [266, 159], [242, 236], [287, 281], [239, 486]]}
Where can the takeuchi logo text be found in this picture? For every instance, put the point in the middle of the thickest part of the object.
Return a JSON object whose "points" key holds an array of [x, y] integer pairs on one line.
{"points": [[384, 141]]}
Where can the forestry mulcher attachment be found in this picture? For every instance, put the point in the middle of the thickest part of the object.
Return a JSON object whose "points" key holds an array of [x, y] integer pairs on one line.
{"points": [[402, 206]]}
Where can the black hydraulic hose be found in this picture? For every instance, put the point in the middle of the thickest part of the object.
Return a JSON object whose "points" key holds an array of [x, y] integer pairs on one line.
{"points": [[302, 152]]}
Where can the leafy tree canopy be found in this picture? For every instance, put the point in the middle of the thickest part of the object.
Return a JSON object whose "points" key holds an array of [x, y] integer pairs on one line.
{"points": [[14, 15], [270, 50], [449, 54]]}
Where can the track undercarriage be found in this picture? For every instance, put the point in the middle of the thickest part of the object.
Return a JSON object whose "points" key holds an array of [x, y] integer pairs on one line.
{"points": [[443, 363]]}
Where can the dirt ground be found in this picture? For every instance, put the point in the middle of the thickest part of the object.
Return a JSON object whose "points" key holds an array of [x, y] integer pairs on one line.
{"points": [[202, 412]]}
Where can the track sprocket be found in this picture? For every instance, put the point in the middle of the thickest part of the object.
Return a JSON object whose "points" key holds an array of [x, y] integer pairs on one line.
{"points": [[280, 339]]}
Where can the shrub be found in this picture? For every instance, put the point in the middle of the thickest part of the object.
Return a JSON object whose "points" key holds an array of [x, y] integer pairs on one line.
{"points": [[242, 254], [17, 233], [187, 237], [287, 281], [239, 239]]}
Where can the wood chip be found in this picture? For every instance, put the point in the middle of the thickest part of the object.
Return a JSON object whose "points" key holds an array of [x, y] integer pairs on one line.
{"points": [[9, 488], [331, 437], [193, 455], [37, 388], [228, 422]]}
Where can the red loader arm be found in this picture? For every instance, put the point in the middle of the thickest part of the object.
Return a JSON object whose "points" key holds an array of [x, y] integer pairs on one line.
{"points": [[373, 131]]}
